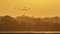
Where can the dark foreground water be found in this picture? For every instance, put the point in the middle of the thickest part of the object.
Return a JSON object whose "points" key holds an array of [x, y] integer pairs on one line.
{"points": [[29, 31]]}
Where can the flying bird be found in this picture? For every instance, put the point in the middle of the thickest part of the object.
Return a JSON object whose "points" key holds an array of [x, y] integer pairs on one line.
{"points": [[18, 9], [14, 8], [25, 9]]}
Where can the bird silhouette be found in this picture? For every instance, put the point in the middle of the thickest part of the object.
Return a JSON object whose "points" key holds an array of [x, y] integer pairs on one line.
{"points": [[18, 9], [14, 8], [25, 9]]}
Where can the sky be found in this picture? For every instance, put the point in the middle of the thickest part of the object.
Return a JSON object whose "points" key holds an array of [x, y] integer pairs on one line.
{"points": [[38, 8]]}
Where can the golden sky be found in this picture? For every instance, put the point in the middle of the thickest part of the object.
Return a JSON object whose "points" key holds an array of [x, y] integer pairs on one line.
{"points": [[42, 8]]}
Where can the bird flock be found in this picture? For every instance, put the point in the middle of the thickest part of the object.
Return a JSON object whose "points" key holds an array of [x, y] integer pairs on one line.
{"points": [[24, 10]]}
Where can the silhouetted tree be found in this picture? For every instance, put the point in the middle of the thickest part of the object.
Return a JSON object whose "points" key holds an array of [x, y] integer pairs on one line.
{"points": [[21, 23]]}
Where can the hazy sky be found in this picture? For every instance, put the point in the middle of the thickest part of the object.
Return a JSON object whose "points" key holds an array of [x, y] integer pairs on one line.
{"points": [[42, 8]]}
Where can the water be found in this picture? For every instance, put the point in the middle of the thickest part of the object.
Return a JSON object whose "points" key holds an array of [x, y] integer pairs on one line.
{"points": [[29, 31]]}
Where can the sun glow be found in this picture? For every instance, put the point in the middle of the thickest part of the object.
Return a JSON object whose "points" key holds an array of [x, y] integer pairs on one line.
{"points": [[42, 8]]}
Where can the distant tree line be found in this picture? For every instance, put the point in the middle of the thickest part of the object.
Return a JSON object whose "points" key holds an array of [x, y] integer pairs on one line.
{"points": [[25, 23]]}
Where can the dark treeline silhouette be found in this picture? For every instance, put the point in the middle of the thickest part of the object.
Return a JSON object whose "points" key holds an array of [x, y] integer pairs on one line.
{"points": [[25, 23]]}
